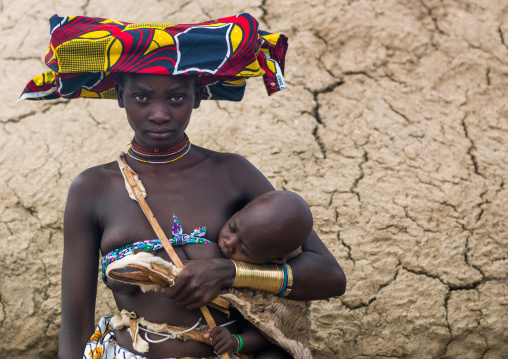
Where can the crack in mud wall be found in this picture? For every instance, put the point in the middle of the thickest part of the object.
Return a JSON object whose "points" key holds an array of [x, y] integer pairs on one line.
{"points": [[393, 128]]}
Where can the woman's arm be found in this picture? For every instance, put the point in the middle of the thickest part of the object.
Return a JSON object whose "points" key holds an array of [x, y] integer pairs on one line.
{"points": [[316, 273], [79, 268]]}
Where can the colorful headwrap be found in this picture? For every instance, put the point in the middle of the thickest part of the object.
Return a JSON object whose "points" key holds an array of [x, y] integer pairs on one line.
{"points": [[86, 54]]}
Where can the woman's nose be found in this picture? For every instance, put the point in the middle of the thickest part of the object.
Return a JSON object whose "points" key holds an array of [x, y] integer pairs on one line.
{"points": [[159, 113]]}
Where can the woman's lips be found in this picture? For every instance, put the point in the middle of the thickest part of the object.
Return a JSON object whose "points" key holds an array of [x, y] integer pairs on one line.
{"points": [[159, 134]]}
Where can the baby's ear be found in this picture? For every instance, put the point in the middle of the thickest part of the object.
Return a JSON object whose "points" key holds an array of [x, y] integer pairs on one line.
{"points": [[279, 261]]}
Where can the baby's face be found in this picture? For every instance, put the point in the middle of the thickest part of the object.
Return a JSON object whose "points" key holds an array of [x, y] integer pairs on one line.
{"points": [[237, 240]]}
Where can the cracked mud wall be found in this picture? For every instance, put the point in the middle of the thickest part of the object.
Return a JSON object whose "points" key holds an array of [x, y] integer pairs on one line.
{"points": [[393, 128]]}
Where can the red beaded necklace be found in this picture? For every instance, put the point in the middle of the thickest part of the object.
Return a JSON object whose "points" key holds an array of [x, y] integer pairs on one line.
{"points": [[159, 153]]}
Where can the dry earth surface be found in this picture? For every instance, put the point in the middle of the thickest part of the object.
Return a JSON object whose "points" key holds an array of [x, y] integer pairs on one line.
{"points": [[393, 128]]}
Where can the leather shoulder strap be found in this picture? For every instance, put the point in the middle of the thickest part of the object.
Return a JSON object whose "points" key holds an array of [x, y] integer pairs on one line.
{"points": [[138, 194]]}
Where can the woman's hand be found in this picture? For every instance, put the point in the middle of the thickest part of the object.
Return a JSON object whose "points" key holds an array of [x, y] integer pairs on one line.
{"points": [[200, 281]]}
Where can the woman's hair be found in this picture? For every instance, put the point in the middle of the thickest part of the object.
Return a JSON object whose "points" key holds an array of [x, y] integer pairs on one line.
{"points": [[120, 78]]}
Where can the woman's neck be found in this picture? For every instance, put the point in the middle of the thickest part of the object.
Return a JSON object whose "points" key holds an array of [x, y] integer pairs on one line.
{"points": [[158, 156]]}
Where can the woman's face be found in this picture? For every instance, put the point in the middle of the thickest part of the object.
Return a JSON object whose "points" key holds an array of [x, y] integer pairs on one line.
{"points": [[158, 107]]}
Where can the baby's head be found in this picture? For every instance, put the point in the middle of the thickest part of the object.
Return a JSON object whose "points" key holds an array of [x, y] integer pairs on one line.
{"points": [[267, 229]]}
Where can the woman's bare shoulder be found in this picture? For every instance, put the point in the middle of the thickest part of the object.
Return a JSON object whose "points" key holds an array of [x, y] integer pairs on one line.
{"points": [[239, 173], [225, 159], [93, 178]]}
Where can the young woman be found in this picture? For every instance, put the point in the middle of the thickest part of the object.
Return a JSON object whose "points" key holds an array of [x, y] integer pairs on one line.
{"points": [[201, 187]]}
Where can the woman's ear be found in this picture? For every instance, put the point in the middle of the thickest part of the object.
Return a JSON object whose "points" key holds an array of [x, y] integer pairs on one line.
{"points": [[119, 95], [198, 88], [279, 261]]}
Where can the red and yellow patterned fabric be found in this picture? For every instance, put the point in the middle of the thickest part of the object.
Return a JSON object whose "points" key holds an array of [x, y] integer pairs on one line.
{"points": [[86, 54]]}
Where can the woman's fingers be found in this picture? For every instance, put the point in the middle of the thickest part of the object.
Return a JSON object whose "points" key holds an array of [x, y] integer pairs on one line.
{"points": [[200, 281], [189, 295], [174, 292]]}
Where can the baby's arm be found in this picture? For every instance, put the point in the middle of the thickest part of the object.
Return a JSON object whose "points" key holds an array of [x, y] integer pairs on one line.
{"points": [[252, 340]]}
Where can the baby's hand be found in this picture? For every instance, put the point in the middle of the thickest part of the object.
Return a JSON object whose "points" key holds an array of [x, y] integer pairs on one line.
{"points": [[222, 340]]}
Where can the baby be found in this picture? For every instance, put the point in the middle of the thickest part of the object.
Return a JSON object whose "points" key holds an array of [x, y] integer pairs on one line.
{"points": [[269, 229]]}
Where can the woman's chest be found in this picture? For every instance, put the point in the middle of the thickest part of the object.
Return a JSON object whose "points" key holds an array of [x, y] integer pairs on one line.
{"points": [[194, 202]]}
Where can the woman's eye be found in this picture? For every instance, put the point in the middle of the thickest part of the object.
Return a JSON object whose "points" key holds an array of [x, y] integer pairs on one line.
{"points": [[231, 228], [176, 98], [242, 249], [141, 98]]}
